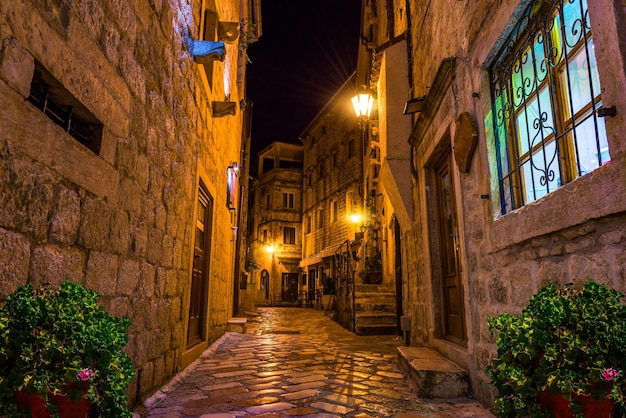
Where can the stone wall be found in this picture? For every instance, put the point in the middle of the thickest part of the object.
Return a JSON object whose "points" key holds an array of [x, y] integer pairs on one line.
{"points": [[122, 221], [574, 233], [327, 148]]}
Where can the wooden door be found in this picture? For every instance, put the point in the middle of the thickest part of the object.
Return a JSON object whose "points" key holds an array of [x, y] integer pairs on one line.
{"points": [[199, 276], [265, 283], [449, 269], [290, 287]]}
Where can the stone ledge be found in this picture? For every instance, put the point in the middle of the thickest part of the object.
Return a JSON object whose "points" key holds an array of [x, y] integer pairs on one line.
{"points": [[237, 325], [433, 375]]}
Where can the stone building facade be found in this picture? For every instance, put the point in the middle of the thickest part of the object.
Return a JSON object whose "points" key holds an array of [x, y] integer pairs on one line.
{"points": [[332, 192], [276, 226], [498, 210], [120, 144], [340, 235]]}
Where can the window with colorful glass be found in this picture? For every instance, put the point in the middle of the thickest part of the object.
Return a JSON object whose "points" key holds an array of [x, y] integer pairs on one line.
{"points": [[545, 92]]}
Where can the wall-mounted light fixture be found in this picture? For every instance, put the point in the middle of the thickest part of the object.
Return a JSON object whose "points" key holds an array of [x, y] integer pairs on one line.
{"points": [[355, 218], [221, 109], [232, 173], [205, 52], [363, 102]]}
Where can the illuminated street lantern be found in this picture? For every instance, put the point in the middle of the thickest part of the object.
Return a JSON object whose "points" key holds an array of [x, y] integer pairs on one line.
{"points": [[363, 103]]}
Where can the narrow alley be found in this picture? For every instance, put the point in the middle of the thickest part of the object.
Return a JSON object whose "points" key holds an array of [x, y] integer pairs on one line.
{"points": [[299, 362]]}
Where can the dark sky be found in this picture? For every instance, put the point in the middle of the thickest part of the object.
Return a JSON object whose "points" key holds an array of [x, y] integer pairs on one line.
{"points": [[306, 52]]}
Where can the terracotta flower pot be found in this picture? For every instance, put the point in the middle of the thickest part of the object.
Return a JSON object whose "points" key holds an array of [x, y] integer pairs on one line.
{"points": [[67, 407], [591, 408]]}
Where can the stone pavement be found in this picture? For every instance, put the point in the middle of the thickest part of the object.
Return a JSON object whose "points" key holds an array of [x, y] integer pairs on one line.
{"points": [[298, 362]]}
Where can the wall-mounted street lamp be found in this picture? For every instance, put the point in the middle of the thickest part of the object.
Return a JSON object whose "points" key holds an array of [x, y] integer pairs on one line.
{"points": [[355, 218], [270, 249], [363, 103]]}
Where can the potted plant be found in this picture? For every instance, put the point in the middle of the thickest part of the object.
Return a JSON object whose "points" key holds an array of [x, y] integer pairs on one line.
{"points": [[373, 267], [566, 349], [58, 346]]}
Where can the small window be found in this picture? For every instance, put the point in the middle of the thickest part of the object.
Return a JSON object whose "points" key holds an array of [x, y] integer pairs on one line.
{"points": [[320, 218], [333, 161], [322, 169], [268, 202], [545, 91], [351, 148], [289, 235], [334, 211], [288, 200], [308, 224], [309, 179], [58, 104]]}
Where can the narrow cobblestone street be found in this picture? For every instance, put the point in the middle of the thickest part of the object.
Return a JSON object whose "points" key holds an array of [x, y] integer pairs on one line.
{"points": [[298, 362]]}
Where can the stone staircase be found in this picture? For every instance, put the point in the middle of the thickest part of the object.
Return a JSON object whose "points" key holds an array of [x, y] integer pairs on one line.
{"points": [[433, 375], [375, 310]]}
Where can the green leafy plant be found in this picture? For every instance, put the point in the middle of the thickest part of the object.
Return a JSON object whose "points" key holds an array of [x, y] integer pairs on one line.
{"points": [[567, 340], [372, 267], [60, 341]]}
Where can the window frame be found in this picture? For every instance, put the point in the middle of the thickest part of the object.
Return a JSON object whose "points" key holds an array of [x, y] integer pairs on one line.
{"points": [[289, 200], [563, 165], [289, 239]]}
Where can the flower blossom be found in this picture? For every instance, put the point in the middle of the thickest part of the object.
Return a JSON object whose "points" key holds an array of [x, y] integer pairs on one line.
{"points": [[85, 374], [609, 374]]}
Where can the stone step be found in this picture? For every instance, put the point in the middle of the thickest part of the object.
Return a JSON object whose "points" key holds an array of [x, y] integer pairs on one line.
{"points": [[433, 375], [375, 317], [367, 305], [237, 325], [374, 288], [375, 329], [375, 323]]}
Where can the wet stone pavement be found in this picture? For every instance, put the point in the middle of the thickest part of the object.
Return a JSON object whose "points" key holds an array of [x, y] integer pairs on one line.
{"points": [[296, 362]]}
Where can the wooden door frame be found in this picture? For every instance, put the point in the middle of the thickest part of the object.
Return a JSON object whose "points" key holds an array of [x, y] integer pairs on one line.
{"points": [[435, 243], [208, 226]]}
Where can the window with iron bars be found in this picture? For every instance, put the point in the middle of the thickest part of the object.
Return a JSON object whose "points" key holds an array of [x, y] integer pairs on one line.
{"points": [[58, 104], [545, 92]]}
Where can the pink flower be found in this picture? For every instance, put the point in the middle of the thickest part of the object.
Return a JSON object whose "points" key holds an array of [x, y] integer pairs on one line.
{"points": [[85, 374], [609, 374]]}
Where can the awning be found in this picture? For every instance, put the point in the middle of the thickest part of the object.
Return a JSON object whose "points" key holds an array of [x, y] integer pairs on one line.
{"points": [[329, 251], [314, 259]]}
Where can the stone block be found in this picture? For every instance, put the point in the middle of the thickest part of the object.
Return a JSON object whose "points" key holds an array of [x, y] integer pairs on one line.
{"points": [[65, 217], [128, 277], [102, 272], [237, 325], [14, 261], [94, 229], [16, 66], [52, 264], [433, 375]]}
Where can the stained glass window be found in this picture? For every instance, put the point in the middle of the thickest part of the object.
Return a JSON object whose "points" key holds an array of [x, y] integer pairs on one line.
{"points": [[545, 92]]}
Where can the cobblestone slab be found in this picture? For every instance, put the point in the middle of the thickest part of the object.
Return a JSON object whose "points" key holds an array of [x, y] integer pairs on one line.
{"points": [[296, 362]]}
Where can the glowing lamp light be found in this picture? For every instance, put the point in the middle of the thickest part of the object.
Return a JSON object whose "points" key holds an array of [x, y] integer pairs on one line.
{"points": [[363, 103], [355, 218], [270, 249]]}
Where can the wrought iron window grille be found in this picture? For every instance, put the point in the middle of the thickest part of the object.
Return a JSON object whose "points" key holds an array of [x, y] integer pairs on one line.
{"points": [[545, 93]]}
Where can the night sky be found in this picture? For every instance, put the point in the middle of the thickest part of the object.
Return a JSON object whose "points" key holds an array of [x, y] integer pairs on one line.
{"points": [[306, 52]]}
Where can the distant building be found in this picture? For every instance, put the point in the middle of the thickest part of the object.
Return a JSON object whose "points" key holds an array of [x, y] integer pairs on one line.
{"points": [[122, 151], [275, 231], [341, 167]]}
